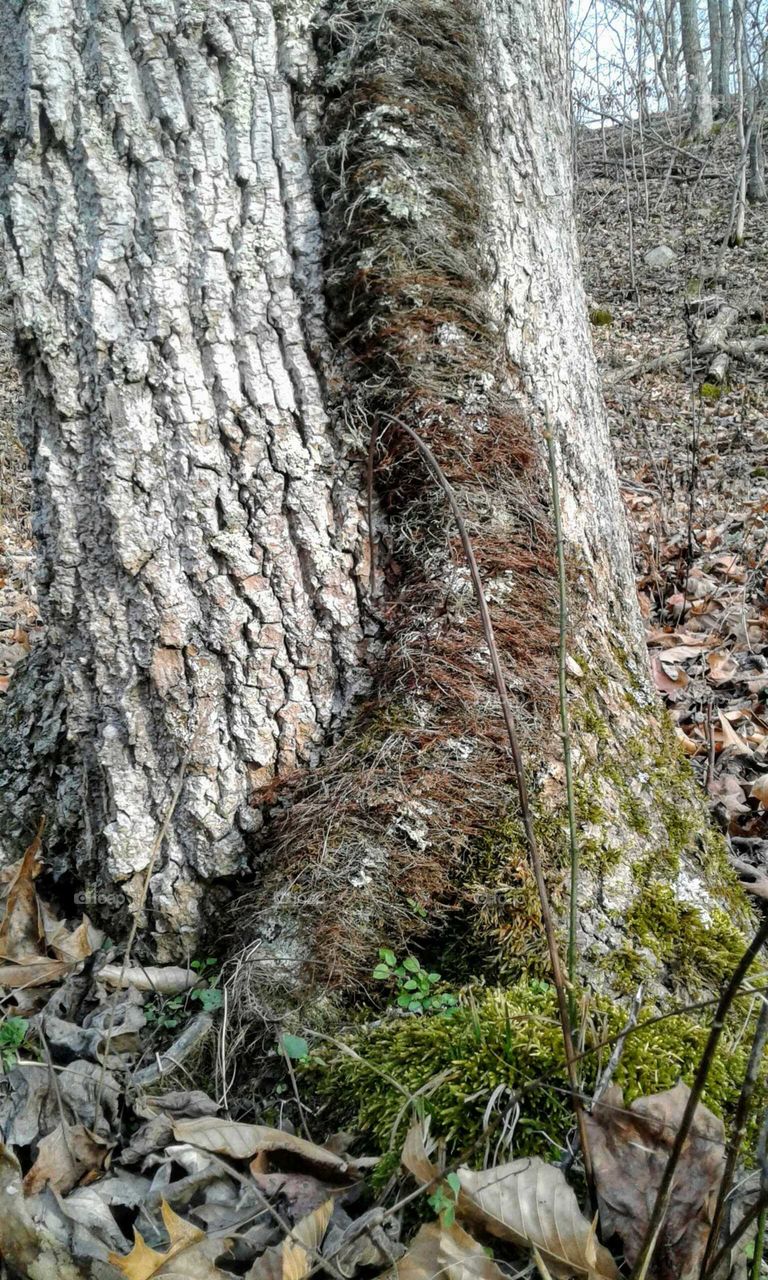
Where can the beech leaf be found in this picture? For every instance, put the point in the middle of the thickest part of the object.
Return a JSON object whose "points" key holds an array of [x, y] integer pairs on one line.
{"points": [[449, 1252], [527, 1202], [242, 1141], [630, 1147]]}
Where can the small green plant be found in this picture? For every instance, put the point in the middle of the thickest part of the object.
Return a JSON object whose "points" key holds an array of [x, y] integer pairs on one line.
{"points": [[12, 1033], [294, 1047], [444, 1197], [600, 316], [415, 986], [170, 1012]]}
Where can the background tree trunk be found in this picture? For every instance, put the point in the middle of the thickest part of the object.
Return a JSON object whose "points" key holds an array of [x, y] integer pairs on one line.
{"points": [[699, 95], [182, 193]]}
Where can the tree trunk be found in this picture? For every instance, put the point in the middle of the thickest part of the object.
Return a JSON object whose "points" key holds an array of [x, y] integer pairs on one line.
{"points": [[239, 245], [715, 50], [699, 96], [756, 189], [726, 57]]}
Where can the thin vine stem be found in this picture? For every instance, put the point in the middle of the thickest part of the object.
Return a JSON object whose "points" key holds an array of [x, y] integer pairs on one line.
{"points": [[565, 725]]}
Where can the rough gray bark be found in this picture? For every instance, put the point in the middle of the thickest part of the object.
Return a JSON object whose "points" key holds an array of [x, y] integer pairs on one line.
{"points": [[699, 94], [198, 521], [756, 188], [723, 92], [715, 49], [196, 449]]}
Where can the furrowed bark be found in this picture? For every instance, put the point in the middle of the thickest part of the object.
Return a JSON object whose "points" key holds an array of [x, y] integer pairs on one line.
{"points": [[198, 521], [240, 242]]}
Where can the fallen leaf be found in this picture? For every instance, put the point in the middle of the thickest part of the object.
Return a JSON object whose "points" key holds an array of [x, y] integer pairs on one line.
{"points": [[669, 679], [727, 791], [188, 1247], [731, 739], [690, 747], [295, 1257], [64, 1158], [35, 973], [682, 653], [723, 667], [760, 791], [164, 980], [527, 1202], [21, 928], [630, 1147], [753, 879], [242, 1141], [26, 1247], [445, 1251]]}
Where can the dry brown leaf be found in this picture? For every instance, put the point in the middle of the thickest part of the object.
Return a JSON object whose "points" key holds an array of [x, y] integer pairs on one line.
{"points": [[242, 1141], [687, 744], [753, 879], [760, 791], [26, 1247], [21, 929], [723, 667], [630, 1147], [682, 652], [64, 1158], [669, 679], [189, 1255], [445, 1252], [731, 739], [294, 1258], [35, 973], [728, 792], [527, 1202], [167, 979]]}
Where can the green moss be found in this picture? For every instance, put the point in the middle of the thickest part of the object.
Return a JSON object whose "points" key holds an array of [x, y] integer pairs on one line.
{"points": [[507, 1038], [695, 952], [497, 933], [600, 316], [710, 391]]}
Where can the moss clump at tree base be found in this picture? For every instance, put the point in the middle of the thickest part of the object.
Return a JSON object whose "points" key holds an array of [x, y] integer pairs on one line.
{"points": [[449, 1067]]}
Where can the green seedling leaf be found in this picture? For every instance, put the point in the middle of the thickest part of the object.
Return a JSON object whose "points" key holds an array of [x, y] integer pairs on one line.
{"points": [[381, 971], [388, 957], [433, 977], [454, 1182], [294, 1047], [411, 964]]}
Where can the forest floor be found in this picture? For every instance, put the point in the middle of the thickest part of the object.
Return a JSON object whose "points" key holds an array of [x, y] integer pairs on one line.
{"points": [[692, 452], [692, 455]]}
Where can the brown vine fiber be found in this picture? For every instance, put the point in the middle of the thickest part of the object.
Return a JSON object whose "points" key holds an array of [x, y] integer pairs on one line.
{"points": [[421, 774]]}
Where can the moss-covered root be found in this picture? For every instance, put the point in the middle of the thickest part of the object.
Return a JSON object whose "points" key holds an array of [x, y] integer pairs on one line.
{"points": [[502, 1041]]}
